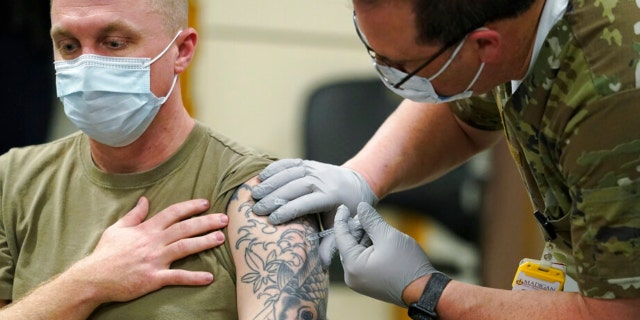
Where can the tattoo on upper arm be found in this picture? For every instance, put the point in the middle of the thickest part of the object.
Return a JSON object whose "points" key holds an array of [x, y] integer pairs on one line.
{"points": [[284, 267]]}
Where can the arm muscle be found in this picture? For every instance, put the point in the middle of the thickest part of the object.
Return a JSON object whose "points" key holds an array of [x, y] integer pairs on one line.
{"points": [[278, 269]]}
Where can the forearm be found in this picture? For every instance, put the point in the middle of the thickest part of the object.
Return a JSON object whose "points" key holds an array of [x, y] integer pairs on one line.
{"points": [[64, 297], [418, 143], [465, 301]]}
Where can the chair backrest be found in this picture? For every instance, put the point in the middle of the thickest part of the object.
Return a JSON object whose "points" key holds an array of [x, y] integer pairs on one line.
{"points": [[342, 116]]}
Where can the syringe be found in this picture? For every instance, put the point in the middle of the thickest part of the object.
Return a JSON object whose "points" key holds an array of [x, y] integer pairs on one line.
{"points": [[321, 234], [354, 224]]}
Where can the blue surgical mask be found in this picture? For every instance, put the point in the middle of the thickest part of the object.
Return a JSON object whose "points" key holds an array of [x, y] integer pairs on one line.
{"points": [[110, 98], [420, 89]]}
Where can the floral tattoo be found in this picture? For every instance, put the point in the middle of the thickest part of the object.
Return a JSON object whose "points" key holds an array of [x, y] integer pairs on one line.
{"points": [[284, 266]]}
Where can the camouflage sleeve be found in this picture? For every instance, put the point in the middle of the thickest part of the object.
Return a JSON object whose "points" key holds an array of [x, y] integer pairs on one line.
{"points": [[481, 112], [601, 161], [602, 168]]}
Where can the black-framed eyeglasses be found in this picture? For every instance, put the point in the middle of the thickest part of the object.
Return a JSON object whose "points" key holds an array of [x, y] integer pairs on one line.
{"points": [[372, 54]]}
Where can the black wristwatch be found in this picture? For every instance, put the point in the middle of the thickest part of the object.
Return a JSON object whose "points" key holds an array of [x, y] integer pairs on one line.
{"points": [[425, 308]]}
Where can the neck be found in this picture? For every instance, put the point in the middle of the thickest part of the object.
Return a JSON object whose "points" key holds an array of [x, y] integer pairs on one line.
{"points": [[166, 134]]}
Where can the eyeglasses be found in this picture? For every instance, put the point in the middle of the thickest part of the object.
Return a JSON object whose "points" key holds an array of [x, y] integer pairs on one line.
{"points": [[385, 77]]}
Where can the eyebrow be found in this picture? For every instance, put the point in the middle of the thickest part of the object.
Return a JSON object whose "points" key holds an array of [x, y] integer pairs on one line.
{"points": [[403, 62], [58, 31], [118, 25], [396, 62], [113, 26]]}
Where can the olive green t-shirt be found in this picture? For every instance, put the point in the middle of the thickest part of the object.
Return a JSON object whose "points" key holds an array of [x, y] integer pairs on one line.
{"points": [[56, 203]]}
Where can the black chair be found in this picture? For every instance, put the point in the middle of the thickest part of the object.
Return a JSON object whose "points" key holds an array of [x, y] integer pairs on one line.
{"points": [[341, 117]]}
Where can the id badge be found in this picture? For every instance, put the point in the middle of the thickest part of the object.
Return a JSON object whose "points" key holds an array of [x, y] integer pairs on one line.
{"points": [[534, 275]]}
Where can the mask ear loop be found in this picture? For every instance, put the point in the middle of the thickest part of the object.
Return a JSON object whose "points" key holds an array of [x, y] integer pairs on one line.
{"points": [[163, 100], [175, 78], [165, 49], [479, 70], [475, 78], [453, 56]]}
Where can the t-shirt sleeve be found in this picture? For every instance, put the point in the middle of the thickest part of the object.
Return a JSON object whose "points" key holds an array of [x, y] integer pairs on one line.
{"points": [[239, 172]]}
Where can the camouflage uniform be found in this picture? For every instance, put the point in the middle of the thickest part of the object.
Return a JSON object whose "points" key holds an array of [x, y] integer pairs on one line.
{"points": [[574, 130]]}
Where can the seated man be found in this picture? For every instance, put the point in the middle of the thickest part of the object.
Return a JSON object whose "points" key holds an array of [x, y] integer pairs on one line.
{"points": [[113, 59]]}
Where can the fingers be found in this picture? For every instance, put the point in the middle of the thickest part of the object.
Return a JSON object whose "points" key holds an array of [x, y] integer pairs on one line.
{"points": [[345, 241], [180, 277], [326, 250], [136, 216], [177, 212], [356, 230], [276, 175], [278, 166], [371, 221], [303, 205], [190, 245], [277, 190], [195, 226], [140, 253]]}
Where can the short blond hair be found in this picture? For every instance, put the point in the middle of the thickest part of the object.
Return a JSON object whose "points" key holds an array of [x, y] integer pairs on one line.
{"points": [[175, 12]]}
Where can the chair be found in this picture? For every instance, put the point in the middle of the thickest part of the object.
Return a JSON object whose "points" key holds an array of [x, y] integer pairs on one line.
{"points": [[340, 118]]}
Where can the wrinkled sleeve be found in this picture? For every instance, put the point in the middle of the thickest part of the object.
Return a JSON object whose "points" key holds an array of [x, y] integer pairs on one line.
{"points": [[235, 175], [7, 266], [481, 112], [601, 164]]}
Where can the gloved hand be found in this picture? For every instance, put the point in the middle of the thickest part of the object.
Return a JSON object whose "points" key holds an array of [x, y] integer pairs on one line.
{"points": [[381, 270], [291, 188]]}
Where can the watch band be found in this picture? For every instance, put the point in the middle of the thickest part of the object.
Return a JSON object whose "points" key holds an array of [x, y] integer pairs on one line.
{"points": [[425, 308]]}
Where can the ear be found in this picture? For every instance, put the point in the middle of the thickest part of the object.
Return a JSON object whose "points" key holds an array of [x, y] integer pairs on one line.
{"points": [[489, 44], [186, 49]]}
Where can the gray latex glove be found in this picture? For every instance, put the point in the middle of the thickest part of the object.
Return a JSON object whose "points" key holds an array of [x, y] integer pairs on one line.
{"points": [[292, 188], [381, 270]]}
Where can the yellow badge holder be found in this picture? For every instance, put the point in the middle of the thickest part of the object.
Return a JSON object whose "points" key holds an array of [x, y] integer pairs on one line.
{"points": [[536, 275], [543, 274]]}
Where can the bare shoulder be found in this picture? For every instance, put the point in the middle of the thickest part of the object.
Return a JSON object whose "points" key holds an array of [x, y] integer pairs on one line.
{"points": [[278, 269]]}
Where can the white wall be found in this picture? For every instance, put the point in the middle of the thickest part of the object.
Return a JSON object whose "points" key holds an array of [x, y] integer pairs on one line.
{"points": [[257, 61]]}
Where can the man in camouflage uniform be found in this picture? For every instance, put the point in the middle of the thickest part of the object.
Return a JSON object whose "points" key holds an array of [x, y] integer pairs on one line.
{"points": [[562, 79]]}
